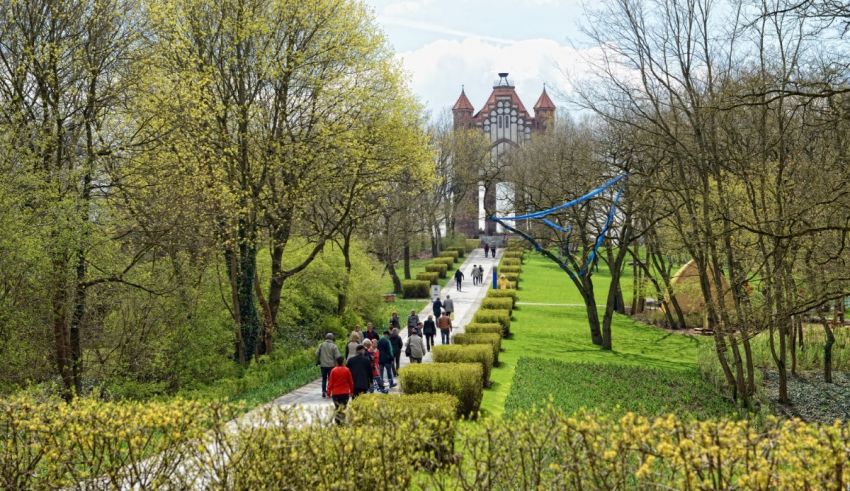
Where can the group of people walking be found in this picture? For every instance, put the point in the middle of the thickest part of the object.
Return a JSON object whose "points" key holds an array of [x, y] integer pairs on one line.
{"points": [[477, 274]]}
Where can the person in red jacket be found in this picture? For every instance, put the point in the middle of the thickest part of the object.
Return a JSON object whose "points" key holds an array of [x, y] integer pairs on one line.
{"points": [[340, 388]]}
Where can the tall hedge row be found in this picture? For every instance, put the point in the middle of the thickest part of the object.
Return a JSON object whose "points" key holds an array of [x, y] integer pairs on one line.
{"points": [[475, 353], [462, 380], [493, 340]]}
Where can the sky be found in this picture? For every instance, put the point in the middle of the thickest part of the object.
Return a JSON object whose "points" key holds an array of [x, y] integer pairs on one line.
{"points": [[446, 44]]}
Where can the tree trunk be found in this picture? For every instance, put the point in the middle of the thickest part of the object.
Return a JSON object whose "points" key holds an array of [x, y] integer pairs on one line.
{"points": [[592, 313], [60, 331], [406, 257], [243, 261], [394, 275], [342, 296]]}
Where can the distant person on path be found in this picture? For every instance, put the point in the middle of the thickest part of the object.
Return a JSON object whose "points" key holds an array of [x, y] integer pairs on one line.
{"points": [[395, 322], [474, 274], [429, 329], [412, 320], [326, 357], [371, 333], [504, 284], [449, 305], [486, 249], [340, 388], [480, 274], [437, 307], [351, 347], [386, 358], [459, 279], [415, 349], [398, 346], [445, 325], [493, 251], [361, 371]]}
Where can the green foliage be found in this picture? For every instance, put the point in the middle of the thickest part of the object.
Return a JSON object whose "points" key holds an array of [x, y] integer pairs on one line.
{"points": [[503, 317], [450, 253], [513, 254], [431, 278], [431, 414], [512, 277], [483, 328], [499, 293], [448, 261], [497, 304], [472, 244], [613, 389], [461, 251], [440, 269], [415, 288], [510, 269], [493, 340], [462, 380], [510, 261], [470, 353]]}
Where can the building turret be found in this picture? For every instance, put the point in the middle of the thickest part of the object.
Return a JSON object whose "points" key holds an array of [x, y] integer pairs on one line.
{"points": [[462, 111], [544, 110]]}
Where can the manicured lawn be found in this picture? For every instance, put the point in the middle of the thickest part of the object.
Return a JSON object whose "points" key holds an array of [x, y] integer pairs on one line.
{"points": [[561, 333], [613, 389]]}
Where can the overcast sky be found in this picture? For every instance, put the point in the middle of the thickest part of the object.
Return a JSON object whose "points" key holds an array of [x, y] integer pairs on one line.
{"points": [[448, 43]]}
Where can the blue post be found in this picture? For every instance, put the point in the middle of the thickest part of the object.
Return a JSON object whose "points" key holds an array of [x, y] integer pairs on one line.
{"points": [[495, 278]]}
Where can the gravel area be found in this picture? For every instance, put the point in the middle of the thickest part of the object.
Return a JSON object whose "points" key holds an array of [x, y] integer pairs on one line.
{"points": [[811, 398]]}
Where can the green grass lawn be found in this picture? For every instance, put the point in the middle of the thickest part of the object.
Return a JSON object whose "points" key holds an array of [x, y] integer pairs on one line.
{"points": [[561, 333]]}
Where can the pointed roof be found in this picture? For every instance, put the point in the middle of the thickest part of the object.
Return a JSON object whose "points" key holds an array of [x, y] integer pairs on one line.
{"points": [[544, 102], [463, 102]]}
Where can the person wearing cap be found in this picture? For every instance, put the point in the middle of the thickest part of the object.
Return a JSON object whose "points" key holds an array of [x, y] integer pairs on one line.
{"points": [[361, 371], [326, 357]]}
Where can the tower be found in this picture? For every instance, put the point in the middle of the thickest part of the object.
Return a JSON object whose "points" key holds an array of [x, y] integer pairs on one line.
{"points": [[505, 121]]}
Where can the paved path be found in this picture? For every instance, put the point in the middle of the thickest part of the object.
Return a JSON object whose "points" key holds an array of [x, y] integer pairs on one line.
{"points": [[466, 302]]}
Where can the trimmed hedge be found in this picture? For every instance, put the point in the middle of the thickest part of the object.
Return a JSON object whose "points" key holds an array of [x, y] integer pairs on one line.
{"points": [[462, 380], [510, 261], [510, 269], [450, 253], [472, 244], [440, 269], [503, 317], [472, 353], [461, 251], [448, 261], [415, 289], [514, 254], [512, 294], [429, 277], [497, 304], [494, 340], [512, 277], [483, 328], [432, 414]]}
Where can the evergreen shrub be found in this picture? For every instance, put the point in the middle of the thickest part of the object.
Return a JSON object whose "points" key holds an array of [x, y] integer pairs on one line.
{"points": [[471, 353], [462, 380], [415, 288]]}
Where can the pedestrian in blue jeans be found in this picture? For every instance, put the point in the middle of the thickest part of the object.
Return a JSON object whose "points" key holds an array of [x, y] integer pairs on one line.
{"points": [[386, 357]]}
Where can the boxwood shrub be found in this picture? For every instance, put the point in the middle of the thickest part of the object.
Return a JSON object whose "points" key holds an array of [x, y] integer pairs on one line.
{"points": [[510, 293], [483, 328], [503, 317], [462, 380], [510, 269], [431, 278], [497, 304], [450, 253], [433, 415], [438, 268], [470, 353], [415, 288], [512, 277], [448, 261], [510, 261], [461, 251], [472, 244], [494, 340]]}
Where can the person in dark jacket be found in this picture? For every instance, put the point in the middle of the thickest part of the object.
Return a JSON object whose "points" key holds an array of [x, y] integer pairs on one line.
{"points": [[386, 357], [398, 347], [395, 322], [459, 279], [486, 249], [429, 330], [437, 307], [361, 371], [412, 320], [370, 333]]}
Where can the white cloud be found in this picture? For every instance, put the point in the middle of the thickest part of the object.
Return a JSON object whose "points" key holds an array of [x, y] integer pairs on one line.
{"points": [[438, 29], [407, 7], [438, 69]]}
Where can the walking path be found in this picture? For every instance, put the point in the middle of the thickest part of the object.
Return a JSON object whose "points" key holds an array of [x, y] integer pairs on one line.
{"points": [[466, 302]]}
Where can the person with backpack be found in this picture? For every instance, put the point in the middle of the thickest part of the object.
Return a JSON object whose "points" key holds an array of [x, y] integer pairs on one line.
{"points": [[459, 279], [415, 349], [326, 356], [445, 325], [398, 347], [386, 358], [361, 371], [340, 389], [429, 330]]}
